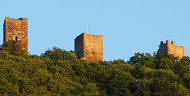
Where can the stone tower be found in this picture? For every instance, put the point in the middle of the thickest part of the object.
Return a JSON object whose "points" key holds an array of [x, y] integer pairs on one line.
{"points": [[90, 47], [16, 30], [169, 47]]}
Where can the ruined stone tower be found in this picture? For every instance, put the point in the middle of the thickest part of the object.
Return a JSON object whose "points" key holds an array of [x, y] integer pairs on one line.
{"points": [[169, 47], [90, 47], [16, 30]]}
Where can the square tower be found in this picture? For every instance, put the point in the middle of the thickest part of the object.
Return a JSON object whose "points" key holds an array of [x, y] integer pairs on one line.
{"points": [[16, 30], [169, 47], [90, 47]]}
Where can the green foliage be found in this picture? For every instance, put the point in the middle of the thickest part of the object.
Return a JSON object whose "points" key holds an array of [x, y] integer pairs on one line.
{"points": [[58, 72], [13, 48], [143, 59]]}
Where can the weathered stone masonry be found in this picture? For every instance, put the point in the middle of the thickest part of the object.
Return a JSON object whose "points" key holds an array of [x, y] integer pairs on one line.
{"points": [[170, 48], [90, 47], [17, 30]]}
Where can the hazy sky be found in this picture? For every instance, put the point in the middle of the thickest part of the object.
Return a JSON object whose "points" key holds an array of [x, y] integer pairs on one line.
{"points": [[128, 26]]}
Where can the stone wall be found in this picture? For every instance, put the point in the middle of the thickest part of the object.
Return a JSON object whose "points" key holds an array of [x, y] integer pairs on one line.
{"points": [[170, 48], [79, 46], [17, 30], [90, 47]]}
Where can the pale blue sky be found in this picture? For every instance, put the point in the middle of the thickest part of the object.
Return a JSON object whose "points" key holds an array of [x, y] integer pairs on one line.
{"points": [[128, 26]]}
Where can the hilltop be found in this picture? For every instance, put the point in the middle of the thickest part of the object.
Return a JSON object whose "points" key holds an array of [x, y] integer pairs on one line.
{"points": [[58, 72]]}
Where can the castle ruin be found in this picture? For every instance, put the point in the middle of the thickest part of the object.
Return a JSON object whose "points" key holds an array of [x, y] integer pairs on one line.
{"points": [[16, 30], [90, 47], [169, 47]]}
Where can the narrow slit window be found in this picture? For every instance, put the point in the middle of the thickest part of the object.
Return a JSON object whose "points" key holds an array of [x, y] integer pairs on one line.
{"points": [[16, 38]]}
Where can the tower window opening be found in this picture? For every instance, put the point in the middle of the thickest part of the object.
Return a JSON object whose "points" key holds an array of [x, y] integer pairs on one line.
{"points": [[16, 38]]}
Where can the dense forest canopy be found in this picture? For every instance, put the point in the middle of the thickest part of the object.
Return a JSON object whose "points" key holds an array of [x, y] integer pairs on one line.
{"points": [[58, 72]]}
